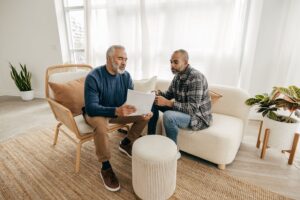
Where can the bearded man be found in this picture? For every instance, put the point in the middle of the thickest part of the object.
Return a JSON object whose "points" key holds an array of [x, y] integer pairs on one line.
{"points": [[186, 103], [105, 93]]}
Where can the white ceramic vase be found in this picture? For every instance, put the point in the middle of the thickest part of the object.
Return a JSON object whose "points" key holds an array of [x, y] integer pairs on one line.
{"points": [[281, 133], [27, 95]]}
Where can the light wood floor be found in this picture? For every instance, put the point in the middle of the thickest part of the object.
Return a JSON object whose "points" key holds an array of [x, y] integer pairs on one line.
{"points": [[273, 172]]}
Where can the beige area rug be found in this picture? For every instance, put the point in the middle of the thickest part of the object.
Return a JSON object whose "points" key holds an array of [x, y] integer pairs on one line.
{"points": [[31, 168]]}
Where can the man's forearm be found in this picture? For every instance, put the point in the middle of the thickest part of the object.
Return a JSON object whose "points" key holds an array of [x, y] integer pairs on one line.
{"points": [[94, 110], [170, 103]]}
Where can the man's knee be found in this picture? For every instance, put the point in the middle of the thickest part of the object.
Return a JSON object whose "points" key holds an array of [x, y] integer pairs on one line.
{"points": [[144, 119], [168, 116], [100, 124]]}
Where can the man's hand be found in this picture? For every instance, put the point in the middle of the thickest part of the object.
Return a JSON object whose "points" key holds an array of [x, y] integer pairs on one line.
{"points": [[125, 110], [162, 101], [148, 116], [156, 92]]}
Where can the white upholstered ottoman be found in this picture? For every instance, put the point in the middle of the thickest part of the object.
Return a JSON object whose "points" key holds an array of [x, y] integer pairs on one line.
{"points": [[154, 167]]}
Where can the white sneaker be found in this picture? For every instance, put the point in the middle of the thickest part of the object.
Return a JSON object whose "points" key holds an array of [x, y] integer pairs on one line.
{"points": [[178, 155]]}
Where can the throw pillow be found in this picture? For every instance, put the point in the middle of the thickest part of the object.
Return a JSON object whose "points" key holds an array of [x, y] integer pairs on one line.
{"points": [[214, 96], [70, 94], [145, 85]]}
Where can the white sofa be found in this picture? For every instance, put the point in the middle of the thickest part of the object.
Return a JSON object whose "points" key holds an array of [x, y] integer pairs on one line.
{"points": [[220, 142]]}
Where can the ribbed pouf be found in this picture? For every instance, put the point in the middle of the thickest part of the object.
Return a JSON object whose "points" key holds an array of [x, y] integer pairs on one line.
{"points": [[154, 166]]}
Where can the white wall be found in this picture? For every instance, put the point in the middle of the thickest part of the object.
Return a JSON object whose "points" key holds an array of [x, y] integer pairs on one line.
{"points": [[28, 35]]}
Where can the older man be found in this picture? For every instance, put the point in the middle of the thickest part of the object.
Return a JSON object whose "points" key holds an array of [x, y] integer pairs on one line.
{"points": [[186, 103], [105, 93]]}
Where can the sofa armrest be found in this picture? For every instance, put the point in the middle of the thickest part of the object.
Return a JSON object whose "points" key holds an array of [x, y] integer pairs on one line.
{"points": [[232, 102]]}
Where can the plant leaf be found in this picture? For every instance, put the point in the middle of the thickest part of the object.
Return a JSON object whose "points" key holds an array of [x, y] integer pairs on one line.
{"points": [[259, 96], [285, 91], [295, 92], [21, 79], [272, 115], [264, 113], [251, 101]]}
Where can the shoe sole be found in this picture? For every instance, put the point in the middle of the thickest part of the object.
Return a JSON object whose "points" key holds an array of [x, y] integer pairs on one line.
{"points": [[178, 155], [125, 152], [109, 188]]}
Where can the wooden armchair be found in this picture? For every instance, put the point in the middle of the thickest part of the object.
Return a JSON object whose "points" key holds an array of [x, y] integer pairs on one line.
{"points": [[80, 131]]}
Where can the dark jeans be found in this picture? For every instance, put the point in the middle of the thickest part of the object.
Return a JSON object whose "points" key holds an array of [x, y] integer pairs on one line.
{"points": [[153, 120]]}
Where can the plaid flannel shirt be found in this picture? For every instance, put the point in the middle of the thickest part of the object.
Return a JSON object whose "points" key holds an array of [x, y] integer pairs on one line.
{"points": [[190, 91]]}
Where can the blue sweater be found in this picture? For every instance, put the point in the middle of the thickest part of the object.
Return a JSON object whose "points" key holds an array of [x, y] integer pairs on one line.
{"points": [[104, 92]]}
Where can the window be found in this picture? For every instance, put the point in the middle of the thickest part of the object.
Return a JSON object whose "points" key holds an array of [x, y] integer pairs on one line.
{"points": [[212, 31], [75, 29]]}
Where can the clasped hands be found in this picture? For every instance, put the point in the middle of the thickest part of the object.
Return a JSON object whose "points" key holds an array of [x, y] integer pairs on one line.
{"points": [[126, 110], [160, 100]]}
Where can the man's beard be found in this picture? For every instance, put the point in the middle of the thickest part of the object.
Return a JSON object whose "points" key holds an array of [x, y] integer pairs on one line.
{"points": [[175, 71], [117, 68]]}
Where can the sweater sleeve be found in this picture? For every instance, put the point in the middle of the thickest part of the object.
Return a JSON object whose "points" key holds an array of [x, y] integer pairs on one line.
{"points": [[92, 104], [130, 85]]}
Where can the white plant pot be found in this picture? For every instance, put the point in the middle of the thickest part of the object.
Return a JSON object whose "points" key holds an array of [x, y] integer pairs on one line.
{"points": [[27, 95], [281, 133]]}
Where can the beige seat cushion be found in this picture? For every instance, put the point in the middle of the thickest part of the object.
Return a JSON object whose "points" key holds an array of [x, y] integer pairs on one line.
{"points": [[82, 126], [70, 94]]}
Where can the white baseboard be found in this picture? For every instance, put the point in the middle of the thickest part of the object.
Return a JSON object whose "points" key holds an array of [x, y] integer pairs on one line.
{"points": [[37, 94]]}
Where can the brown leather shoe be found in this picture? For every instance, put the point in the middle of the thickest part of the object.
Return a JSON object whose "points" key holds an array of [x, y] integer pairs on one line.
{"points": [[110, 180], [126, 149]]}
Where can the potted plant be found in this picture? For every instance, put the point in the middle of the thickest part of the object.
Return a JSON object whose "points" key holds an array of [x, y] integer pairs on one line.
{"points": [[279, 109], [22, 81]]}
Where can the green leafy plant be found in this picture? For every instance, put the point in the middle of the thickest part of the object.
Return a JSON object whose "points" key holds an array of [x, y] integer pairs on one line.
{"points": [[21, 79], [280, 98]]}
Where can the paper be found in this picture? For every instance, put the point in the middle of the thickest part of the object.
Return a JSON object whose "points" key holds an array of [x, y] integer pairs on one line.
{"points": [[141, 101]]}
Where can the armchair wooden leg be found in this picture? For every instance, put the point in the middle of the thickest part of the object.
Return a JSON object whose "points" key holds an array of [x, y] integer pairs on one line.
{"points": [[294, 148], [222, 166], [259, 133], [78, 152], [265, 143], [56, 133]]}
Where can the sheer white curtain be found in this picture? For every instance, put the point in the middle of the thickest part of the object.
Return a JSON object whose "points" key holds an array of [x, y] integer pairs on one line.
{"points": [[212, 31], [271, 56], [287, 59]]}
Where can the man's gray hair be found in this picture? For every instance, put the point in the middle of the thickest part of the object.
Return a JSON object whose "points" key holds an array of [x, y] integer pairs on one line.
{"points": [[111, 50], [184, 53]]}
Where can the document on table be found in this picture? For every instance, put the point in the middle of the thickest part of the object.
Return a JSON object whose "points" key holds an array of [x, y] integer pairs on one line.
{"points": [[141, 101]]}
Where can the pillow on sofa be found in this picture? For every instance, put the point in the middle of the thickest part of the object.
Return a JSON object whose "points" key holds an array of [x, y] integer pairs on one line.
{"points": [[145, 85], [70, 94], [214, 96]]}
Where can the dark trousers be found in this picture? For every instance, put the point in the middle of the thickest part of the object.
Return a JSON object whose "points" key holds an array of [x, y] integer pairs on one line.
{"points": [[153, 121]]}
